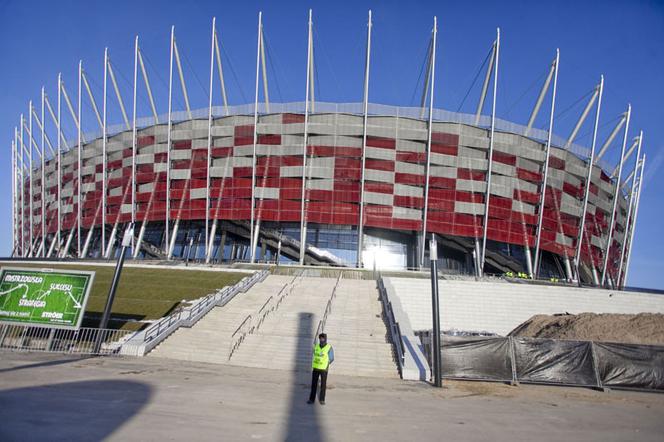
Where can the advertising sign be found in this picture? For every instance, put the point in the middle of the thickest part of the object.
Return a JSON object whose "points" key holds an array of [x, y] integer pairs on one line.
{"points": [[44, 297]]}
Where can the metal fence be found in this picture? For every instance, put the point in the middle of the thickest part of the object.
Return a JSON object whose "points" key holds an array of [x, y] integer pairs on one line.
{"points": [[84, 341]]}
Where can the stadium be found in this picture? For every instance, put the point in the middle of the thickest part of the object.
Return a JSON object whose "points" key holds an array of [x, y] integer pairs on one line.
{"points": [[318, 183]]}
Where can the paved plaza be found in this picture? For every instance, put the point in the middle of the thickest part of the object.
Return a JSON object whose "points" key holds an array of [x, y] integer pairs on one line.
{"points": [[56, 397]]}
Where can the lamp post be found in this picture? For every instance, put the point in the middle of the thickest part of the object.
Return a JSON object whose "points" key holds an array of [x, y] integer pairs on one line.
{"points": [[435, 342], [126, 242]]}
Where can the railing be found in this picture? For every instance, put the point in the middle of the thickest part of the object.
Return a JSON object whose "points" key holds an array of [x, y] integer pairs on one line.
{"points": [[252, 322], [190, 315], [246, 328], [395, 330], [328, 309], [84, 341]]}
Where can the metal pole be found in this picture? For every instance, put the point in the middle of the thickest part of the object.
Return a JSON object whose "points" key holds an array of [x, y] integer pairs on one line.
{"points": [[126, 242], [303, 221], [14, 211], [629, 210], [432, 72], [104, 159], [582, 118], [611, 137], [636, 213], [435, 312], [616, 196], [209, 240], [540, 98], [22, 187], [546, 167], [111, 74], [30, 174], [485, 85], [253, 158], [360, 227], [59, 234], [221, 73], [78, 168], [168, 147], [43, 179], [181, 74], [591, 160], [21, 149], [147, 87], [488, 177], [134, 138]]}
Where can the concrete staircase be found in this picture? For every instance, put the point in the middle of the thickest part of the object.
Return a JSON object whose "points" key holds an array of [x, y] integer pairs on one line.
{"points": [[356, 330], [285, 338], [210, 339]]}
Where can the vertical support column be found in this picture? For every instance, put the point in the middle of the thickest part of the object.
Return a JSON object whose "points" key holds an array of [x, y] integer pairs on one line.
{"points": [[78, 163], [14, 211], [32, 187], [432, 73], [629, 211], [253, 158], [104, 160], [303, 221], [209, 239], [360, 226], [636, 213], [22, 187], [133, 151], [59, 232], [617, 195], [591, 160], [42, 247], [546, 168], [490, 156], [169, 249]]}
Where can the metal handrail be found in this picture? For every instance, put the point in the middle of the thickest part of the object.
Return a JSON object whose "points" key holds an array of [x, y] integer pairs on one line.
{"points": [[328, 309], [201, 307], [285, 291], [395, 329]]}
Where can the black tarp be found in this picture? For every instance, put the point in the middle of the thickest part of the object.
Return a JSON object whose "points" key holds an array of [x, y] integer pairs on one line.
{"points": [[552, 361], [476, 358], [630, 366]]}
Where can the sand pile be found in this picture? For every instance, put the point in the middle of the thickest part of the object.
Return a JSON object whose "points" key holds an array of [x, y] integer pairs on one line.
{"points": [[644, 328]]}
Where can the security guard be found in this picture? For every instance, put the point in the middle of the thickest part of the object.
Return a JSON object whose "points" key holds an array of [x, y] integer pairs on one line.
{"points": [[323, 357]]}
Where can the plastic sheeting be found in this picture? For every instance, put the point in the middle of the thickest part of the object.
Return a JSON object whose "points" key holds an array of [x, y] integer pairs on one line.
{"points": [[477, 358], [630, 366], [550, 361]]}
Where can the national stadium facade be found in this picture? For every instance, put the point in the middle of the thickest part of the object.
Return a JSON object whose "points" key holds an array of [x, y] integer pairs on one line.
{"points": [[356, 184]]}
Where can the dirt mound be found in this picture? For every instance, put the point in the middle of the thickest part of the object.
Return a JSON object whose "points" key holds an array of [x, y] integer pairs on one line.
{"points": [[644, 328]]}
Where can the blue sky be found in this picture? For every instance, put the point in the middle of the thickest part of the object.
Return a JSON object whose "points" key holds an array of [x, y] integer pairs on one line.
{"points": [[620, 39]]}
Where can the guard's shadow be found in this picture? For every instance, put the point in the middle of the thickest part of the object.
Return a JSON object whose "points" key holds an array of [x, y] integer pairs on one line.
{"points": [[304, 422], [81, 411]]}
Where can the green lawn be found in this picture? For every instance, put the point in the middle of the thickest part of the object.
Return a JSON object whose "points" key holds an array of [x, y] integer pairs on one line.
{"points": [[144, 293]]}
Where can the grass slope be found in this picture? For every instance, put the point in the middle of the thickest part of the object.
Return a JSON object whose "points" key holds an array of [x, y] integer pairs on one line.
{"points": [[144, 293]]}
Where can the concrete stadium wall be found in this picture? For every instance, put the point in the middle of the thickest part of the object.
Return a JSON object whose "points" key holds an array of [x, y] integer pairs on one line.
{"points": [[499, 307]]}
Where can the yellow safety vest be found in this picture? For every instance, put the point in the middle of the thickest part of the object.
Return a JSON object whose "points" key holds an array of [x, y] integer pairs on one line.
{"points": [[321, 360]]}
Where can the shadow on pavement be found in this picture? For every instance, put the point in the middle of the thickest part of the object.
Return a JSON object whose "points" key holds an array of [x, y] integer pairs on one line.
{"points": [[81, 411], [46, 364], [303, 419]]}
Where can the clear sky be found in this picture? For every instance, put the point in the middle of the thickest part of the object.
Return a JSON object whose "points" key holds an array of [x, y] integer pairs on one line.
{"points": [[620, 39]]}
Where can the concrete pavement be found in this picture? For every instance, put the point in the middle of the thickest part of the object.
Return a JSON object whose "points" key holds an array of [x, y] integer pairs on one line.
{"points": [[55, 397]]}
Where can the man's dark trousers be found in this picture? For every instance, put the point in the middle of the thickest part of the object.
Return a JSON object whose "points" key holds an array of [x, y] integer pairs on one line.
{"points": [[314, 384]]}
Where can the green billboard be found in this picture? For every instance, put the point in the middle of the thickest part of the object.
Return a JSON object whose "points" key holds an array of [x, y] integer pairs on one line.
{"points": [[44, 297]]}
